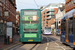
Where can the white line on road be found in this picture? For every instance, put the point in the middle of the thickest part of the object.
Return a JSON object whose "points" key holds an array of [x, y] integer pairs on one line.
{"points": [[62, 48], [36, 47], [46, 48], [47, 41], [58, 45], [47, 44]]}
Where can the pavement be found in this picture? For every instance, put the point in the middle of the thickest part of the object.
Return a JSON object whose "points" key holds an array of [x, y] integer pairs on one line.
{"points": [[15, 40]]}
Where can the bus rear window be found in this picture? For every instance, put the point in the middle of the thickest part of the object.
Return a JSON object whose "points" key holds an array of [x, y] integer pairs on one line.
{"points": [[30, 15]]}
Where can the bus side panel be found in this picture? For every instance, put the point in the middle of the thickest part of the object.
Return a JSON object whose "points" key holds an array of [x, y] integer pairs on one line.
{"points": [[63, 36], [39, 25], [21, 26]]}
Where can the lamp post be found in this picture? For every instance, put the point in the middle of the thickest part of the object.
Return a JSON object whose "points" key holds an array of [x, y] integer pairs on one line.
{"points": [[1, 30]]}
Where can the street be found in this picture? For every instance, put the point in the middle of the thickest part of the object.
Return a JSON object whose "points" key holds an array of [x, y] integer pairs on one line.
{"points": [[52, 43], [37, 25], [49, 42]]}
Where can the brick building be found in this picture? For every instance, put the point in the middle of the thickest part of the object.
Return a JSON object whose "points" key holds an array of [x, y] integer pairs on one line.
{"points": [[8, 12], [69, 5], [48, 15]]}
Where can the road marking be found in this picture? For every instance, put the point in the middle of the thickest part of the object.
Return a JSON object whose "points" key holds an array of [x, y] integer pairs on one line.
{"points": [[35, 47], [47, 44], [46, 48], [60, 46], [47, 41], [56, 44], [12, 46]]}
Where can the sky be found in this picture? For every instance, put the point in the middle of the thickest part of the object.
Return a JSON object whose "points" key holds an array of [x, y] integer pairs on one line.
{"points": [[34, 4]]}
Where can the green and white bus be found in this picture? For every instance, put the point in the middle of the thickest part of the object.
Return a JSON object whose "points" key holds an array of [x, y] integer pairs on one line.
{"points": [[30, 25]]}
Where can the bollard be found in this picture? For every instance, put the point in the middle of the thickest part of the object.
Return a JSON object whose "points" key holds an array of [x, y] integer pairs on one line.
{"points": [[5, 39], [8, 40]]}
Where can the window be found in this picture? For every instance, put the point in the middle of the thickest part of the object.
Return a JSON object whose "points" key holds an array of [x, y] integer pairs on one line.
{"points": [[3, 1], [30, 15], [74, 1], [0, 11], [74, 25], [52, 13], [63, 25], [6, 13], [74, 29], [71, 26]]}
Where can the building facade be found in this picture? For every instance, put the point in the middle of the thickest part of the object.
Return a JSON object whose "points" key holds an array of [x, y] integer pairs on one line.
{"points": [[69, 5], [8, 13], [59, 15], [48, 15]]}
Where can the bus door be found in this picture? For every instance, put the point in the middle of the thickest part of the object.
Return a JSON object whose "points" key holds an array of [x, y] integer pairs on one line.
{"points": [[70, 32], [74, 31]]}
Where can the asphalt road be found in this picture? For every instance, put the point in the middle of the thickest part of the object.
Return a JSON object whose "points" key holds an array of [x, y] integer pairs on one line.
{"points": [[52, 43], [49, 42]]}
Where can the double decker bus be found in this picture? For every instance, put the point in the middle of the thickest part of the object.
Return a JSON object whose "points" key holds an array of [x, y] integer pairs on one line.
{"points": [[30, 25], [68, 28]]}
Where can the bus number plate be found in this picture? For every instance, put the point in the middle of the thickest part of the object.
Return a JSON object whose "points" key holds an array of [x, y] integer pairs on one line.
{"points": [[30, 40]]}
